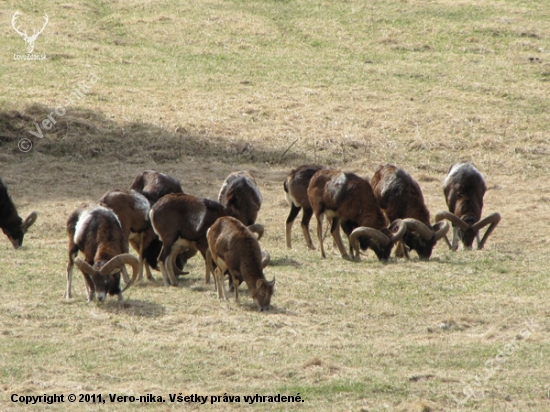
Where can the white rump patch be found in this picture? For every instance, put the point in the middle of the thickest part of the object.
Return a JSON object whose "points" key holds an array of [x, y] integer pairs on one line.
{"points": [[84, 220], [151, 213], [290, 200], [222, 190], [81, 224], [221, 264]]}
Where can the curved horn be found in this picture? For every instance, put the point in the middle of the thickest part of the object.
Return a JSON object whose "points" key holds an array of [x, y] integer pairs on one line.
{"points": [[369, 232], [401, 230], [493, 218], [85, 267], [29, 221], [265, 258], [415, 225], [454, 219], [178, 251], [257, 228], [117, 262], [442, 231]]}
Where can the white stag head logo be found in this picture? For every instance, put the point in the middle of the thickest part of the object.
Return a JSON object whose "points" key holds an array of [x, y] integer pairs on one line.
{"points": [[28, 39]]}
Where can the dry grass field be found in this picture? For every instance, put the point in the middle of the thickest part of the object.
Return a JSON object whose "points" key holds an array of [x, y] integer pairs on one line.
{"points": [[197, 89]]}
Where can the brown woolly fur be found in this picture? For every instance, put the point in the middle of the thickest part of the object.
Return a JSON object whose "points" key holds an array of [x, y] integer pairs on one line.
{"points": [[96, 232], [348, 200], [399, 194], [199, 89], [153, 185], [128, 205], [236, 249], [241, 197], [295, 186]]}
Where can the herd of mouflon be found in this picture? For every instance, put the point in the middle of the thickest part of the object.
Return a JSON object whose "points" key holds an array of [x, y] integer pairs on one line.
{"points": [[166, 226]]}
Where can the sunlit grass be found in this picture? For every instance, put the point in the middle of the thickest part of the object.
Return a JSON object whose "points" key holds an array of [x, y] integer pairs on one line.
{"points": [[198, 89]]}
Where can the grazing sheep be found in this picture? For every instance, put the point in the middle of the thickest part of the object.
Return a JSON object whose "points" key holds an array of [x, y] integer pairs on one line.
{"points": [[295, 186], [96, 231], [241, 197], [350, 201], [400, 197], [234, 248], [464, 189], [11, 223]]}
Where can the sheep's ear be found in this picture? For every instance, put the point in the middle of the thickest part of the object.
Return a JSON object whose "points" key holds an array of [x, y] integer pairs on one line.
{"points": [[259, 283]]}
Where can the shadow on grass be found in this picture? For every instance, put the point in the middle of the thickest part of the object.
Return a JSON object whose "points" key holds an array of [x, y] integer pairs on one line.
{"points": [[188, 281], [86, 134], [284, 262], [137, 308]]}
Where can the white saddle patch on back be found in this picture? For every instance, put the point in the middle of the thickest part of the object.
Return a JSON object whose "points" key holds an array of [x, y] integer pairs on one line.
{"points": [[85, 217], [81, 224], [387, 183], [336, 185], [141, 203]]}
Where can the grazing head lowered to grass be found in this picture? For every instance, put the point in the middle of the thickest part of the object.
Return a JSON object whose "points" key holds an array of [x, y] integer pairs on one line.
{"points": [[464, 189], [295, 186], [96, 232], [400, 197], [349, 200], [241, 197], [234, 248], [181, 222], [154, 185], [11, 223], [132, 210]]}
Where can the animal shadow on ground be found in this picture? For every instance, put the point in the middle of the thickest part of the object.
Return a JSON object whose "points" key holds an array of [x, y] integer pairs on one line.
{"points": [[284, 261], [137, 308], [87, 134]]}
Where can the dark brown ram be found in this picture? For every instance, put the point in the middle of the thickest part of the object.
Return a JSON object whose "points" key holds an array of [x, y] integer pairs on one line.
{"points": [[11, 223], [154, 185], [96, 231], [241, 197], [132, 210], [181, 222], [350, 202], [295, 186], [400, 197], [464, 189]]}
